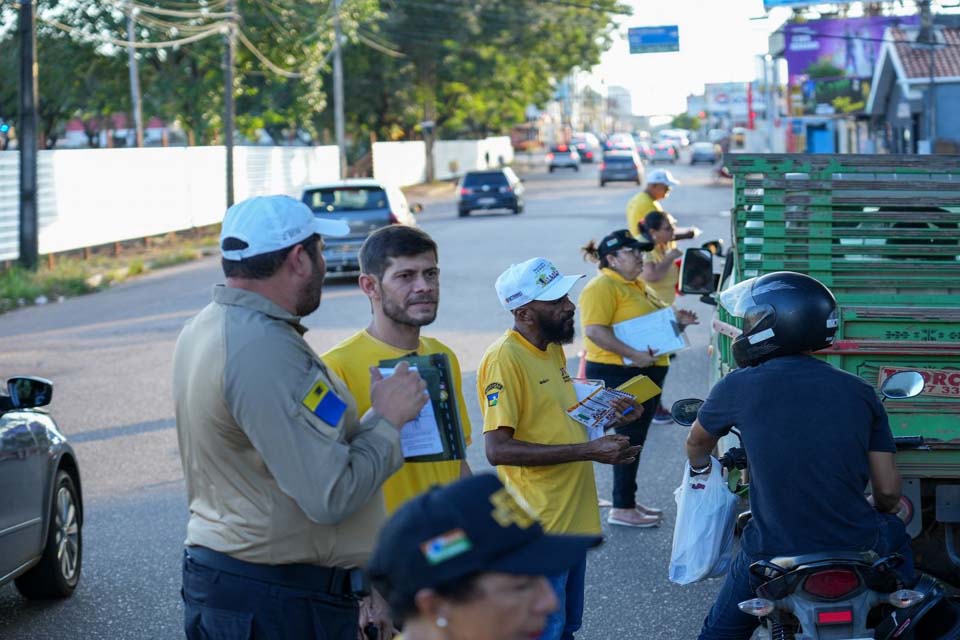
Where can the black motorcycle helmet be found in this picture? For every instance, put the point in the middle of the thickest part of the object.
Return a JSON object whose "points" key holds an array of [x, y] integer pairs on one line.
{"points": [[783, 313]]}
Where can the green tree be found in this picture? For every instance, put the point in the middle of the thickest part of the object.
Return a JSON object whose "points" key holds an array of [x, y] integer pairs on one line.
{"points": [[686, 121]]}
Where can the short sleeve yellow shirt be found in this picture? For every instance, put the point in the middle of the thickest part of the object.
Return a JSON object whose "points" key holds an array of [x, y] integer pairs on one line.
{"points": [[637, 209], [521, 387], [609, 298], [665, 287], [351, 360]]}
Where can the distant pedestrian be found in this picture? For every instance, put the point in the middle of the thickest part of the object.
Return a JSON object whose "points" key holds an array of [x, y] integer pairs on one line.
{"points": [[468, 562], [541, 453], [283, 479], [614, 295]]}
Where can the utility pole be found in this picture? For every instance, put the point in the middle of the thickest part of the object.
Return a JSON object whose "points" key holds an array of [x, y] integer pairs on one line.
{"points": [[27, 138], [228, 63], [338, 120], [135, 103], [927, 35]]}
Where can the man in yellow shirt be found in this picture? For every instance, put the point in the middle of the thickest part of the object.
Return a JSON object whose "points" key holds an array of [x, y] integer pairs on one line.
{"points": [[399, 274], [542, 455]]}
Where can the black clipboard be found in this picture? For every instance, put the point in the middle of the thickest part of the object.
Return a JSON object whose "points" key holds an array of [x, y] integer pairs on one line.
{"points": [[435, 371]]}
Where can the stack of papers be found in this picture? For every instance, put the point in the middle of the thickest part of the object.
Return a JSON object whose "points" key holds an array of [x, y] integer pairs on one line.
{"points": [[658, 331], [594, 408]]}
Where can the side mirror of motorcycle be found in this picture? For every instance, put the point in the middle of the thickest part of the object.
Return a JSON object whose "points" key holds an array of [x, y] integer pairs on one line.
{"points": [[715, 247], [903, 384], [684, 412]]}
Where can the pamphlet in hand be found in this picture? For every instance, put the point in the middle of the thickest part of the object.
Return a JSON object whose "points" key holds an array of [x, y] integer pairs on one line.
{"points": [[435, 434], [658, 331], [594, 408]]}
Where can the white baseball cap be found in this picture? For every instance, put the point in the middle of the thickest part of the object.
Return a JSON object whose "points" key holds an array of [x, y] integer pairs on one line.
{"points": [[662, 176], [263, 224], [535, 279]]}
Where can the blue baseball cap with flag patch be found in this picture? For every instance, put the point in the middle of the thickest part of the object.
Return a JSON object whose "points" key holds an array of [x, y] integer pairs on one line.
{"points": [[471, 526]]}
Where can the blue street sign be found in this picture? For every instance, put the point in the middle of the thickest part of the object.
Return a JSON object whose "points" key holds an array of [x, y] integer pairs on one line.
{"points": [[654, 39]]}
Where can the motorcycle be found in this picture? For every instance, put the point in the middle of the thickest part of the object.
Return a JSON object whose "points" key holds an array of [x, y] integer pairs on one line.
{"points": [[840, 595]]}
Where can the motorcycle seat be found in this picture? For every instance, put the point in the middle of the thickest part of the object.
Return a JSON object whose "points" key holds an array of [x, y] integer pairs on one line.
{"points": [[788, 563]]}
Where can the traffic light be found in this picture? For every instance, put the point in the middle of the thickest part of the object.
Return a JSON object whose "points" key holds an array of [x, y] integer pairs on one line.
{"points": [[4, 127]]}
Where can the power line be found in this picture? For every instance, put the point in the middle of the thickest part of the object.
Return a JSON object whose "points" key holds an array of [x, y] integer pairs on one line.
{"points": [[280, 71], [214, 29]]}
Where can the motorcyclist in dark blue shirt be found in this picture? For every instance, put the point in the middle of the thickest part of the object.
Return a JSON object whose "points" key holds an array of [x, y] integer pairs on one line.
{"points": [[814, 436]]}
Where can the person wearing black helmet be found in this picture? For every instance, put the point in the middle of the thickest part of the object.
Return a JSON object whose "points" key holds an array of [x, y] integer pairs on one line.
{"points": [[814, 437]]}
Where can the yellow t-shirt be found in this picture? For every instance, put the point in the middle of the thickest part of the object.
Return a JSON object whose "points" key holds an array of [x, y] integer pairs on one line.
{"points": [[522, 387], [665, 287], [608, 299], [637, 209], [351, 360]]}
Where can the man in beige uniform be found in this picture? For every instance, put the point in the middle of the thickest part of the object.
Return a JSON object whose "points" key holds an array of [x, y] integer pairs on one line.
{"points": [[283, 478]]}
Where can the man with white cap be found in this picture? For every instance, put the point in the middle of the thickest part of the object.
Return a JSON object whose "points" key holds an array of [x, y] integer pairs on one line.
{"points": [[283, 478], [541, 454], [659, 184]]}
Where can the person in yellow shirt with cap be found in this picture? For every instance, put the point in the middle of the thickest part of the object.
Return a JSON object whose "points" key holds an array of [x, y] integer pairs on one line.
{"points": [[649, 223], [617, 294], [401, 277], [541, 454]]}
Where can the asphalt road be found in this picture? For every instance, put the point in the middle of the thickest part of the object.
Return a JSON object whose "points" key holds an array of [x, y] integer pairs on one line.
{"points": [[110, 354]]}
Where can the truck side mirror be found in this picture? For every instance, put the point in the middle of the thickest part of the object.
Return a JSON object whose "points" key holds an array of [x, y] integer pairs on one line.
{"points": [[696, 272]]}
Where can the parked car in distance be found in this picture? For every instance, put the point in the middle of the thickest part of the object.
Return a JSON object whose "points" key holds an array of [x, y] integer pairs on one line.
{"points": [[708, 152], [563, 156], [587, 146], [620, 166], [664, 151], [365, 205], [492, 189], [41, 506]]}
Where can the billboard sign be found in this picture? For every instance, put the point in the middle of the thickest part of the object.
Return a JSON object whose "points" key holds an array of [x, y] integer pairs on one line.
{"points": [[829, 96], [847, 48], [654, 39], [731, 99]]}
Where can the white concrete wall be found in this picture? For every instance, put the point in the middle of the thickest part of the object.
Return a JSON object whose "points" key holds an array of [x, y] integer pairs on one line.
{"points": [[404, 163], [400, 163], [89, 197]]}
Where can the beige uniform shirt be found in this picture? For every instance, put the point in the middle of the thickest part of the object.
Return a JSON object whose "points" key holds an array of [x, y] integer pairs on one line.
{"points": [[268, 479]]}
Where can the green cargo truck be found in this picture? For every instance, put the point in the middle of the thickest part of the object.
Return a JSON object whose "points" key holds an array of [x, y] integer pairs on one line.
{"points": [[882, 232]]}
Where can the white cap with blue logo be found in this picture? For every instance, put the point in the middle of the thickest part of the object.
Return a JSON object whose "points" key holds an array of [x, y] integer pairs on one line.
{"points": [[535, 279]]}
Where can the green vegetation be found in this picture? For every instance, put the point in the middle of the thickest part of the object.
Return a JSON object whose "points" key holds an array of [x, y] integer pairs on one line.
{"points": [[686, 121], [73, 275], [471, 66]]}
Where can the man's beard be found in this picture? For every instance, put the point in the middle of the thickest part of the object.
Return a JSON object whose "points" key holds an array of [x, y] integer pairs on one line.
{"points": [[398, 312], [308, 299], [557, 331]]}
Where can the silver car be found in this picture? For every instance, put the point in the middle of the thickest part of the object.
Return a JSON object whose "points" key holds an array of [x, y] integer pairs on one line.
{"points": [[41, 508]]}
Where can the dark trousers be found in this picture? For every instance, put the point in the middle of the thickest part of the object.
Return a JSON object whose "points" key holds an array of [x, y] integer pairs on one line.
{"points": [[625, 475], [725, 620], [228, 599]]}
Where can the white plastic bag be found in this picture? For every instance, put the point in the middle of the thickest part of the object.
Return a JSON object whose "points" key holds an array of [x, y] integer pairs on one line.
{"points": [[703, 535]]}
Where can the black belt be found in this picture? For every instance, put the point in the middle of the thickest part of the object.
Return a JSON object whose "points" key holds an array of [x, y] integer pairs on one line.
{"points": [[333, 580]]}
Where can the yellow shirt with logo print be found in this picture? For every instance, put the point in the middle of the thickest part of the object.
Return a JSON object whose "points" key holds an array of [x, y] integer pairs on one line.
{"points": [[610, 298], [351, 361], [521, 387]]}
